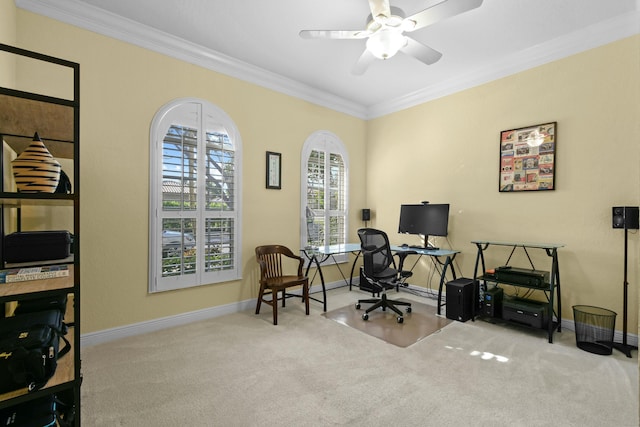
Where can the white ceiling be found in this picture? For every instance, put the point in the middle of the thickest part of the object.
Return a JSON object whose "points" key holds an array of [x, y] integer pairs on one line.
{"points": [[257, 40]]}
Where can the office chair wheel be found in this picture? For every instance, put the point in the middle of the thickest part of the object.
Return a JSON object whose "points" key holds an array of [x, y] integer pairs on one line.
{"points": [[408, 309], [358, 306], [365, 316], [400, 319]]}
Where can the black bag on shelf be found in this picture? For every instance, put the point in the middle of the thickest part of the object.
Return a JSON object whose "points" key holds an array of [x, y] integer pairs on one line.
{"points": [[42, 304], [26, 246], [30, 348], [65, 408], [34, 413], [64, 184], [44, 411]]}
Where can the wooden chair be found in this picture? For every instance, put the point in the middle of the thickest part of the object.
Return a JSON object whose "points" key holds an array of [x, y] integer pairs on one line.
{"points": [[273, 278]]}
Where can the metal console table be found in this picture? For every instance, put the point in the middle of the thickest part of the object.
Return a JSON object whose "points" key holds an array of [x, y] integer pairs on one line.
{"points": [[552, 289]]}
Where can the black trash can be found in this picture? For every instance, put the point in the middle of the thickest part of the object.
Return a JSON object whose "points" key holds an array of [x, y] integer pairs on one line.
{"points": [[595, 327]]}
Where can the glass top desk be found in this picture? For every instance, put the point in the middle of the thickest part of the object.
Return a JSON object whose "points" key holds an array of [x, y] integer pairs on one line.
{"points": [[320, 254], [437, 255]]}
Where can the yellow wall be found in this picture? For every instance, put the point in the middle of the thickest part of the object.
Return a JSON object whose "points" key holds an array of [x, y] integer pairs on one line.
{"points": [[443, 151], [7, 36], [447, 151], [122, 86]]}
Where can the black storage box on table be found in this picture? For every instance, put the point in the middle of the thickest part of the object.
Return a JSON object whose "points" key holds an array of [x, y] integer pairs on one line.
{"points": [[26, 246]]}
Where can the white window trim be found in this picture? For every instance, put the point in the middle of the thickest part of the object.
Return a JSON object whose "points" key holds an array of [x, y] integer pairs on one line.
{"points": [[159, 128], [329, 142]]}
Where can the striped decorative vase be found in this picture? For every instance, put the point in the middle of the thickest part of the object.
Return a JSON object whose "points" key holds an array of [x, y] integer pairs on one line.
{"points": [[35, 170]]}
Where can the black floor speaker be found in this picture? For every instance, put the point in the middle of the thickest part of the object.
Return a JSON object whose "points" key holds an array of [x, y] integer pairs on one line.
{"points": [[459, 299]]}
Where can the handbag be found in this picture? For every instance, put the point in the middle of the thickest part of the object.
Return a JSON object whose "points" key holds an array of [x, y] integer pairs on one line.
{"points": [[41, 412], [30, 348], [58, 302]]}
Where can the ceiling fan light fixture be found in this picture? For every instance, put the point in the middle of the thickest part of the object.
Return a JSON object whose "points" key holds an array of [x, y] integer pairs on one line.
{"points": [[385, 26], [386, 43], [380, 18], [408, 25]]}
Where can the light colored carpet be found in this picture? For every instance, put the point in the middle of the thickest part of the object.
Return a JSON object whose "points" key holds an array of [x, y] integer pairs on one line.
{"points": [[420, 323], [240, 370]]}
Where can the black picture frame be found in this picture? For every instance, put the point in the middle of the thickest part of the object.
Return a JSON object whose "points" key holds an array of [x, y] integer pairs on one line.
{"points": [[528, 158], [274, 170]]}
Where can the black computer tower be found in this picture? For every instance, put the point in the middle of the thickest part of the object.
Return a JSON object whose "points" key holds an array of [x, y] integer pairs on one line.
{"points": [[460, 296], [492, 304]]}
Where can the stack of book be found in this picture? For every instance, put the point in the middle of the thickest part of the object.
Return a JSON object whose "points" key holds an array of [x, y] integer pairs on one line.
{"points": [[33, 273]]}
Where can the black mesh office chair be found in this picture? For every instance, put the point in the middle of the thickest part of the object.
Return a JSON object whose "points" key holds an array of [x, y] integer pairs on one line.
{"points": [[380, 271]]}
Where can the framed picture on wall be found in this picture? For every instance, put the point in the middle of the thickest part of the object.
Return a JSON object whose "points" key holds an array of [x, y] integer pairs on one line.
{"points": [[274, 170], [528, 158]]}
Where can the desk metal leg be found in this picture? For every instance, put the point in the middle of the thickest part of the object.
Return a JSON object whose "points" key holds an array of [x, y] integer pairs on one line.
{"points": [[559, 297], [314, 259], [353, 266], [555, 292], [476, 296], [449, 261]]}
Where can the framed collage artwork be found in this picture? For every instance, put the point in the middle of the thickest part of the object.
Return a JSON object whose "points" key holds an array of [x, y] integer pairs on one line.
{"points": [[528, 158]]}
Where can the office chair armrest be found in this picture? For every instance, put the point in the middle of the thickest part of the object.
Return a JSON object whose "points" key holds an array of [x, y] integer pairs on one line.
{"points": [[402, 256]]}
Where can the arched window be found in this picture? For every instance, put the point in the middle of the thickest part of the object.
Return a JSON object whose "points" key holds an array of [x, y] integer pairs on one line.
{"points": [[194, 201], [324, 198]]}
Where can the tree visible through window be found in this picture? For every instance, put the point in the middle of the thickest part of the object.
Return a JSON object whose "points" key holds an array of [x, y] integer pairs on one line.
{"points": [[194, 203], [324, 190]]}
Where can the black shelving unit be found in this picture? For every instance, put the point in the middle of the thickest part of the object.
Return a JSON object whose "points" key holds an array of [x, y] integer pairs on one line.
{"points": [[551, 289], [57, 120]]}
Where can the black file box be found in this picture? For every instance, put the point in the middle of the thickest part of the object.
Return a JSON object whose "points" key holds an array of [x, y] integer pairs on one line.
{"points": [[27, 246]]}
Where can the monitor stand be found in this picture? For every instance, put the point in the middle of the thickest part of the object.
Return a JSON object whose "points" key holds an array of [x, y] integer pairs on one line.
{"points": [[427, 245]]}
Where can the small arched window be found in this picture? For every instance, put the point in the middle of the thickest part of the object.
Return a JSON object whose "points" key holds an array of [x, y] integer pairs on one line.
{"points": [[194, 233]]}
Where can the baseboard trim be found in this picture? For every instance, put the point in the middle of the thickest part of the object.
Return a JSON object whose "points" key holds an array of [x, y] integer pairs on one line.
{"points": [[618, 336], [632, 339], [106, 335]]}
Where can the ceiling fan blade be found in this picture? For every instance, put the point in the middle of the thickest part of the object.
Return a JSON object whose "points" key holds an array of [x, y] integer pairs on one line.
{"points": [[440, 11], [421, 52], [363, 62], [334, 34], [379, 7]]}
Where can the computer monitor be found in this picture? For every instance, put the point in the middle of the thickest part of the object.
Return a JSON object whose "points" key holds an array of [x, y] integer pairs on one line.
{"points": [[424, 219]]}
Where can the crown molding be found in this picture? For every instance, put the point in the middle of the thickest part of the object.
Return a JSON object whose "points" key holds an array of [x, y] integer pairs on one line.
{"points": [[97, 20], [589, 38]]}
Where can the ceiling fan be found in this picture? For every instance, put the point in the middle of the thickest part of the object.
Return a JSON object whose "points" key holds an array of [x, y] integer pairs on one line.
{"points": [[385, 27]]}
